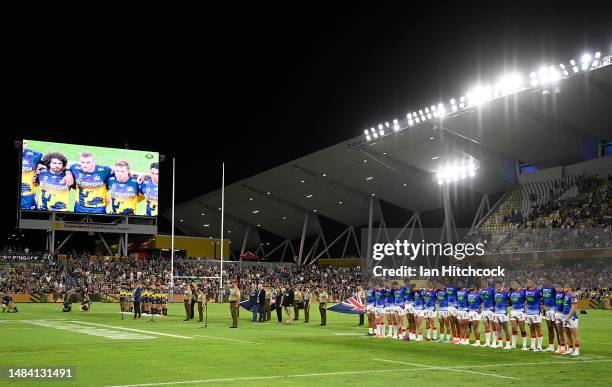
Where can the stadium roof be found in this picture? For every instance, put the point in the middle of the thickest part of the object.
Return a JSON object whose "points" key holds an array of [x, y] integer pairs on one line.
{"points": [[540, 126]]}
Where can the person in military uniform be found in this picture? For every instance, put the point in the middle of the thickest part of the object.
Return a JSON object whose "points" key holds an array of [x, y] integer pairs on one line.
{"points": [[299, 299], [323, 298], [201, 299], [307, 296], [268, 305], [234, 300], [187, 302]]}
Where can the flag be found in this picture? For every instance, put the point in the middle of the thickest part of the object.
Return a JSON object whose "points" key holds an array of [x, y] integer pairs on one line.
{"points": [[246, 304], [353, 305]]}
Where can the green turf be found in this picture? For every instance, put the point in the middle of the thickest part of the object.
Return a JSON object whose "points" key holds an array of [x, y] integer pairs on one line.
{"points": [[338, 354], [140, 161]]}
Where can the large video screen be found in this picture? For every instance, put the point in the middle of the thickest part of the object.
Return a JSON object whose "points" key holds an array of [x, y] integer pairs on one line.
{"points": [[88, 179]]}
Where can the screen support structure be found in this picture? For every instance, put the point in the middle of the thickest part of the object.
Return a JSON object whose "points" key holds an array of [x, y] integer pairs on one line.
{"points": [[71, 224]]}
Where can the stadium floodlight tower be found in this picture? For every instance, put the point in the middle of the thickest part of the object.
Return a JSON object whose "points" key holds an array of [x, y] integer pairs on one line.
{"points": [[447, 175]]}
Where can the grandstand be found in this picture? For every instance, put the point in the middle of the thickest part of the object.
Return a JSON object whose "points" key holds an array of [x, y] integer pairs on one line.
{"points": [[531, 146]]}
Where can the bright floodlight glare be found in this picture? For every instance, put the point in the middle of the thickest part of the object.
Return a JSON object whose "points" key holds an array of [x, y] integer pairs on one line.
{"points": [[456, 171], [586, 58]]}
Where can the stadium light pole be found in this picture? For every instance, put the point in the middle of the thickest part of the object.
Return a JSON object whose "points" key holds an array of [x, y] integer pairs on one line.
{"points": [[222, 216], [172, 237]]}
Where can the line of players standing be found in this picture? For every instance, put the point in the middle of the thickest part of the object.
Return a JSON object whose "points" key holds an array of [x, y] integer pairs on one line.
{"points": [[459, 310], [154, 300]]}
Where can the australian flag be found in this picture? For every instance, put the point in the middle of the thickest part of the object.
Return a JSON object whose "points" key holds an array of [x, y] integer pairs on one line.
{"points": [[353, 305]]}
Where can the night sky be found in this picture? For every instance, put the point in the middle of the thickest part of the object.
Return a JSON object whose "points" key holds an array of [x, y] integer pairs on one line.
{"points": [[259, 87]]}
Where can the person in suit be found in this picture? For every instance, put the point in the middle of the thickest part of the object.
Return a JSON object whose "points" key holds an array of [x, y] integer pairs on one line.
{"points": [[253, 301], [268, 305], [278, 304], [194, 296], [137, 297], [261, 302], [288, 302]]}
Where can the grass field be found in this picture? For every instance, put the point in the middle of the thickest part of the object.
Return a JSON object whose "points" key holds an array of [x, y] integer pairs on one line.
{"points": [[106, 350], [140, 161]]}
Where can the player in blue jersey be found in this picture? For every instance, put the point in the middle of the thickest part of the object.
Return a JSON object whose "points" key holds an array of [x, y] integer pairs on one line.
{"points": [[451, 298], [389, 309], [418, 313], [463, 315], [149, 186], [550, 308], [371, 307], [474, 302], [502, 299], [409, 305], [533, 296], [570, 322], [30, 163], [91, 184], [379, 299], [517, 315], [53, 194], [429, 313], [559, 305], [442, 301], [123, 190], [487, 315], [399, 312]]}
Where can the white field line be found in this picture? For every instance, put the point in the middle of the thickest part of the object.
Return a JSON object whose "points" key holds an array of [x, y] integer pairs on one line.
{"points": [[247, 378], [577, 360], [133, 330], [228, 339], [447, 369]]}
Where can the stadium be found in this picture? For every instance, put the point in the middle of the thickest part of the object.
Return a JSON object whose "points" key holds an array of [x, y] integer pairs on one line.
{"points": [[465, 240]]}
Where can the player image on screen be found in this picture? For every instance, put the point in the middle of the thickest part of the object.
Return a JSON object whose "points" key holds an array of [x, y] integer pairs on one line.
{"points": [[30, 159], [90, 182], [124, 190], [149, 189], [54, 193]]}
